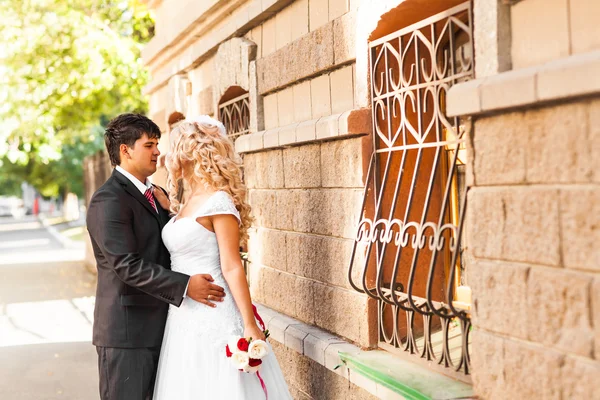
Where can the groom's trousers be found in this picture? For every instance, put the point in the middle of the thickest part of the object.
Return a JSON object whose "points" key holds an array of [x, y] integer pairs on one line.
{"points": [[127, 374]]}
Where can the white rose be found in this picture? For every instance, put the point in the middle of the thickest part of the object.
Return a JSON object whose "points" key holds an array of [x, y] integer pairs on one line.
{"points": [[240, 360], [258, 349]]}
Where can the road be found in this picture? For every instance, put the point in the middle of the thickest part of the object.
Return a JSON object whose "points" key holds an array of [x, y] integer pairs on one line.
{"points": [[46, 310]]}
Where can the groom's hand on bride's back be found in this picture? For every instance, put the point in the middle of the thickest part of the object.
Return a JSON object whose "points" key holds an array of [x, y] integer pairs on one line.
{"points": [[204, 291]]}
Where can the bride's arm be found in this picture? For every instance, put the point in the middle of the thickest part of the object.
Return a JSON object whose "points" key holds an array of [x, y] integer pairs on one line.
{"points": [[228, 237]]}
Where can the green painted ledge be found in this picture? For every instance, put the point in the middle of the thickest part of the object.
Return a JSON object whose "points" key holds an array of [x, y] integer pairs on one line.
{"points": [[411, 381]]}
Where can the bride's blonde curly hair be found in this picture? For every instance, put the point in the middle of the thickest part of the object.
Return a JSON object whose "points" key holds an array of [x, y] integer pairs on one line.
{"points": [[204, 155]]}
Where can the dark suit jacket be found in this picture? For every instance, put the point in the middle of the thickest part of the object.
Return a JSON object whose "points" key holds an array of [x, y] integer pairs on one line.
{"points": [[135, 282]]}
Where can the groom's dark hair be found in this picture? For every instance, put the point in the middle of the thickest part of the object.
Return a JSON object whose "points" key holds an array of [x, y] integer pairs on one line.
{"points": [[126, 129]]}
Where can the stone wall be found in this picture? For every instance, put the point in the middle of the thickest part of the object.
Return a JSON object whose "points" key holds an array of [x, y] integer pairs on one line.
{"points": [[534, 232], [534, 227], [306, 201]]}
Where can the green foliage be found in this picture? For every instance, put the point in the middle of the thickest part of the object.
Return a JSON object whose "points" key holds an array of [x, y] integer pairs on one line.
{"points": [[67, 67]]}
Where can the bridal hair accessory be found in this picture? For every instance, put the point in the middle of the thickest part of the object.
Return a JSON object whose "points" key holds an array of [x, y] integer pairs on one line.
{"points": [[247, 354], [206, 120]]}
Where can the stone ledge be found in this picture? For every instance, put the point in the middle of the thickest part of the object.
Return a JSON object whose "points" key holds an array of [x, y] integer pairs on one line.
{"points": [[318, 345], [562, 79], [369, 370], [345, 125]]}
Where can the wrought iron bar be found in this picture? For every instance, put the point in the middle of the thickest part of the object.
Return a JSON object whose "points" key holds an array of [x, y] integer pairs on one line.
{"points": [[412, 226], [235, 115]]}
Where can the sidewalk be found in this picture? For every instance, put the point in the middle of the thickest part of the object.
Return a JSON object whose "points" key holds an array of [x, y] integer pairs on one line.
{"points": [[46, 312]]}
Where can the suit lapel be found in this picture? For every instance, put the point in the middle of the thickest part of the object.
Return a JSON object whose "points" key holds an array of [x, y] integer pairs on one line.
{"points": [[135, 193]]}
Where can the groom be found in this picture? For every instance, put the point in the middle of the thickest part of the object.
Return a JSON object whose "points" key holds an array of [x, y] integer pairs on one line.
{"points": [[135, 282]]}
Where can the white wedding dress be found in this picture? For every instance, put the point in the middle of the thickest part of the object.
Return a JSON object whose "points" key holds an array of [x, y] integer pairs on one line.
{"points": [[193, 364]]}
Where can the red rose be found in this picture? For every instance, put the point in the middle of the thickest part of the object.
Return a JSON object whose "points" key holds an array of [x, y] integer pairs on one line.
{"points": [[228, 352], [254, 362], [242, 344]]}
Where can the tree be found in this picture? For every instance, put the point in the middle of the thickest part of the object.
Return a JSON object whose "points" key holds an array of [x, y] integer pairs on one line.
{"points": [[67, 67]]}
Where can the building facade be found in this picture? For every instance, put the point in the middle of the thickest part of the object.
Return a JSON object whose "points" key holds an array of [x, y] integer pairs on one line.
{"points": [[423, 180]]}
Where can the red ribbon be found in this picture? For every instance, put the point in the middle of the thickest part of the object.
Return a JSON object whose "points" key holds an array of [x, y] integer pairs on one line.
{"points": [[262, 383], [260, 321]]}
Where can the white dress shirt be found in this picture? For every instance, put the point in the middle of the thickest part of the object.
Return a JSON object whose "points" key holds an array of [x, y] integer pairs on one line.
{"points": [[142, 188]]}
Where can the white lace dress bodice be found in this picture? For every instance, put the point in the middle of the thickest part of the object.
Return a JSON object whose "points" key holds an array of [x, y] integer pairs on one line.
{"points": [[192, 363]]}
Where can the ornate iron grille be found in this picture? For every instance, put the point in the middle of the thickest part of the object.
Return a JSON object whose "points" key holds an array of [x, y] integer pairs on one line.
{"points": [[235, 115], [407, 252]]}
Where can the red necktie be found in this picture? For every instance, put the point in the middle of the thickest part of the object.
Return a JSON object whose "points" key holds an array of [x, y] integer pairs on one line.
{"points": [[150, 198]]}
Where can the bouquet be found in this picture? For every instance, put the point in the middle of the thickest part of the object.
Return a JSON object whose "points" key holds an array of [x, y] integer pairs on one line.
{"points": [[246, 354]]}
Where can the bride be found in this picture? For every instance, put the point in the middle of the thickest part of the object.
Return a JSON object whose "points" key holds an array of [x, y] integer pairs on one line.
{"points": [[203, 238]]}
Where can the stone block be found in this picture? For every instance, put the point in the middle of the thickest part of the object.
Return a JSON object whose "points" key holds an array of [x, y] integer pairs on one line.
{"points": [[558, 149], [256, 141], [344, 38], [205, 101], [342, 90], [257, 112], [299, 19], [594, 137], [516, 224], [285, 106], [265, 169], [269, 37], [304, 291], [328, 127], [320, 258], [271, 111], [559, 310], [302, 166], [302, 102], [320, 96], [596, 316], [332, 308], [509, 89], [500, 146], [283, 27], [269, 70], [585, 30], [313, 53], [278, 290], [333, 362], [314, 346], [337, 8], [580, 379], [491, 37], [487, 365], [294, 338], [573, 76], [268, 248], [306, 131], [242, 144], [493, 280], [264, 207], [288, 204], [287, 134], [485, 222], [336, 212], [343, 163], [531, 372], [318, 13], [580, 227], [271, 138], [545, 39]]}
